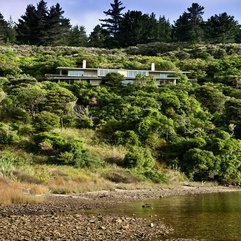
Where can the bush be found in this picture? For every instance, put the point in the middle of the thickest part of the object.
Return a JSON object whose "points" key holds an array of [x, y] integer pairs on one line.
{"points": [[155, 176], [51, 141], [139, 158], [200, 164], [7, 163], [87, 159], [7, 135], [24, 129], [63, 151], [46, 121], [51, 144], [112, 79], [80, 158], [126, 138]]}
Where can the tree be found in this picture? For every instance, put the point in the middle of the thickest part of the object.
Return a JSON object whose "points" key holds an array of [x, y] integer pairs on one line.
{"points": [[233, 115], [42, 23], [77, 36], [144, 81], [28, 97], [211, 98], [137, 28], [59, 101], [58, 26], [221, 28], [196, 21], [189, 26], [3, 29], [26, 32], [46, 121], [98, 37], [200, 164], [181, 28], [112, 79], [32, 26], [164, 30], [11, 31], [112, 24], [41, 26]]}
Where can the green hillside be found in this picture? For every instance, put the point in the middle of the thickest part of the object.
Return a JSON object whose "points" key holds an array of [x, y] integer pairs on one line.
{"points": [[75, 137]]}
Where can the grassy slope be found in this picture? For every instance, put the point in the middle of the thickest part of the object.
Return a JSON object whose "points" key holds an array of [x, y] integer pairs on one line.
{"points": [[37, 178]]}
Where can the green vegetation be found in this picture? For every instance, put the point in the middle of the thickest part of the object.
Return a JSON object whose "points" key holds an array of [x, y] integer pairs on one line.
{"points": [[43, 25], [120, 133], [70, 136]]}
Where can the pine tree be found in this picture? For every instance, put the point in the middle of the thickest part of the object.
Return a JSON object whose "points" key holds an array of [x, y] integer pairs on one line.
{"points": [[181, 28], [58, 26], [11, 31], [112, 24], [77, 36], [189, 26], [3, 29], [32, 26], [41, 26], [196, 22], [221, 28], [26, 27], [42, 23], [164, 31], [98, 37], [137, 28]]}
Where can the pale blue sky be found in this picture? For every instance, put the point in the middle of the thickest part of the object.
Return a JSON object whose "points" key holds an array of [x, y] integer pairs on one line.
{"points": [[88, 12]]}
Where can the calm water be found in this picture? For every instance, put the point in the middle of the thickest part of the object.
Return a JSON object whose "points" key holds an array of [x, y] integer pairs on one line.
{"points": [[208, 217]]}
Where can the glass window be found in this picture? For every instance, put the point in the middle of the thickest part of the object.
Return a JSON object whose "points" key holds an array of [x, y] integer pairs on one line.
{"points": [[75, 73], [163, 75], [134, 73], [104, 72]]}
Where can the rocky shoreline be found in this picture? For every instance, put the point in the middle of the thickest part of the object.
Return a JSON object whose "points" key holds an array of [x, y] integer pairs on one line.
{"points": [[62, 217]]}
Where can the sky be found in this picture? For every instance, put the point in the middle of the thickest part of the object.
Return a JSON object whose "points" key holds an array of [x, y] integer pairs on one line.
{"points": [[88, 12]]}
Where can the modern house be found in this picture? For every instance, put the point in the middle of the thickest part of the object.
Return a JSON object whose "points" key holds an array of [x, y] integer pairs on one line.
{"points": [[95, 75]]}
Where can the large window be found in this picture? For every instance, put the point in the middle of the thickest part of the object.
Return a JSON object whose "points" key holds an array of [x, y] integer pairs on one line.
{"points": [[75, 73], [163, 76], [134, 73], [104, 72]]}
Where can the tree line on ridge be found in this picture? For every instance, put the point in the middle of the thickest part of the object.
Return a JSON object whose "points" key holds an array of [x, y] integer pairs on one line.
{"points": [[41, 25]]}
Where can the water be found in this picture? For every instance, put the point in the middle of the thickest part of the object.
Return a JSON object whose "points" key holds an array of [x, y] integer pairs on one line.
{"points": [[207, 216]]}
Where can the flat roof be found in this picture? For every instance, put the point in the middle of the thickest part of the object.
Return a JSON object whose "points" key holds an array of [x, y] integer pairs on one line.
{"points": [[75, 68], [74, 77], [150, 71]]}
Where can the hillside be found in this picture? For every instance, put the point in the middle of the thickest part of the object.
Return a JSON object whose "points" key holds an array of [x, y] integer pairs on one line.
{"points": [[75, 137]]}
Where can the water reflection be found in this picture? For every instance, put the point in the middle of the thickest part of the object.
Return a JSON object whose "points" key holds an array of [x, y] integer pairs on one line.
{"points": [[209, 217]]}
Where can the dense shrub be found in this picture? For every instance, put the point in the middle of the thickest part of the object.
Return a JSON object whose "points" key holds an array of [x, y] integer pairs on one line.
{"points": [[79, 156], [88, 160], [126, 138], [46, 121], [200, 164], [7, 134], [65, 151], [112, 80], [139, 158], [51, 139], [155, 176]]}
